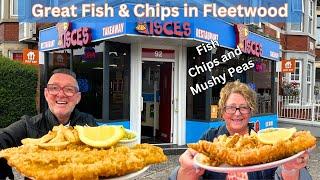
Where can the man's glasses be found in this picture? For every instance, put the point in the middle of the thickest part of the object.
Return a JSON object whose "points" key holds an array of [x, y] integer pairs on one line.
{"points": [[69, 91], [233, 109]]}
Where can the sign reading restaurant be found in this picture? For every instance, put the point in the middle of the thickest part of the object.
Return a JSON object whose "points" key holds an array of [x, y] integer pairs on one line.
{"points": [[203, 34], [164, 28]]}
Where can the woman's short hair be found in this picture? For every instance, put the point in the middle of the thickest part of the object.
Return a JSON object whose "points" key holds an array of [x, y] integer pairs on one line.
{"points": [[240, 88]]}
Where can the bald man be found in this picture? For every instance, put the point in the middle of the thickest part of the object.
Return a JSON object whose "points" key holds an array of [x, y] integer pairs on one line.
{"points": [[62, 95]]}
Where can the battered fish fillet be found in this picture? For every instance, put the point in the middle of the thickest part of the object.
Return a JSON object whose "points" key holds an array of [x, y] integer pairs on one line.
{"points": [[79, 161], [246, 150], [61, 155]]}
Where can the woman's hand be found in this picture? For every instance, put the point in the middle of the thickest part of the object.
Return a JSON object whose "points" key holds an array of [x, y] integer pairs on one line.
{"points": [[187, 169], [290, 170], [237, 176]]}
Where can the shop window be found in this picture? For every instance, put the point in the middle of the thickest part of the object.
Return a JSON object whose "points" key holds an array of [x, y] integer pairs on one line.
{"points": [[88, 65], [258, 78], [119, 81], [59, 59], [195, 103]]}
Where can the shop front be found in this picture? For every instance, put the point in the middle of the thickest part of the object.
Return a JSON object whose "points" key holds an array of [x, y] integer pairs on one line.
{"points": [[136, 72]]}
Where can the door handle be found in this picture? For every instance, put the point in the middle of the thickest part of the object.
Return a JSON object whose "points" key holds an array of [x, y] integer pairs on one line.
{"points": [[141, 103], [176, 105]]}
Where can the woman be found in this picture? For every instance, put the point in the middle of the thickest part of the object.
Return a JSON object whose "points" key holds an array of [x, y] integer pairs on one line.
{"points": [[236, 105]]}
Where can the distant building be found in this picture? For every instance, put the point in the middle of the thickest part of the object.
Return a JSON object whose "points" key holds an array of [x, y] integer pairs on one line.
{"points": [[9, 30], [317, 62], [298, 41]]}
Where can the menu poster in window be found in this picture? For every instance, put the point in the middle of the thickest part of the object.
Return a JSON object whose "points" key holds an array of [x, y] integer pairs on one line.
{"points": [[60, 60], [214, 111]]}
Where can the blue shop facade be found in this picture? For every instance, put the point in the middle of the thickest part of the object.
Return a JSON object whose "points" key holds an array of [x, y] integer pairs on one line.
{"points": [[135, 71]]}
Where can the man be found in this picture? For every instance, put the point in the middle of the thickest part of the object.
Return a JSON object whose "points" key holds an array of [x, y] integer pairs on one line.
{"points": [[62, 95]]}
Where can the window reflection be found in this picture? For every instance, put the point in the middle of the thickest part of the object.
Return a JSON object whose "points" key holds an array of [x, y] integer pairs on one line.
{"points": [[119, 82], [88, 65], [258, 78]]}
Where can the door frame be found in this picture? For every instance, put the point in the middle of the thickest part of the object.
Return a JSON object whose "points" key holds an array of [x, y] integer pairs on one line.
{"points": [[172, 61], [178, 108]]}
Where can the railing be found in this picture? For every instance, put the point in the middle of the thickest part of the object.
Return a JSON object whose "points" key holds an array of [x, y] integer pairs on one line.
{"points": [[264, 104], [292, 107]]}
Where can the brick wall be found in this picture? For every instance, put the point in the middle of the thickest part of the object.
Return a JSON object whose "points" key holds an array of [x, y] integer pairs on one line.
{"points": [[11, 31], [1, 32], [271, 32], [294, 42], [280, 25], [318, 53]]}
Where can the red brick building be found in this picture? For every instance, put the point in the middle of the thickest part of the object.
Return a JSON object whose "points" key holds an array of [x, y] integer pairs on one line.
{"points": [[9, 30]]}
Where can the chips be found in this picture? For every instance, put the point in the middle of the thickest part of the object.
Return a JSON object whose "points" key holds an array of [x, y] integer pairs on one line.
{"points": [[57, 139]]}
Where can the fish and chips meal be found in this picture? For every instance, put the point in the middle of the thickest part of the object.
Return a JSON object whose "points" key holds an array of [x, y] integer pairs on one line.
{"points": [[257, 148], [63, 153]]}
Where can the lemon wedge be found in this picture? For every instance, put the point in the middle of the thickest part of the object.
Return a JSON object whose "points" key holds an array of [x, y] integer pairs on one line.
{"points": [[274, 135], [101, 136]]}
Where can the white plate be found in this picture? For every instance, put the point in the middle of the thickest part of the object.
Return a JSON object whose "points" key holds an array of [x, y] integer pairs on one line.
{"points": [[131, 175], [225, 168], [124, 177]]}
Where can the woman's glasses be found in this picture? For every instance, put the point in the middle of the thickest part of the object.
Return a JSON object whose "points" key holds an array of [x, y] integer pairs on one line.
{"points": [[69, 91], [233, 109]]}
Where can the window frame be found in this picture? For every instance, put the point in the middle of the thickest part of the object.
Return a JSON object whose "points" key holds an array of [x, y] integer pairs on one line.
{"points": [[12, 8], [302, 17], [299, 61], [11, 52], [310, 17], [1, 10], [317, 34], [308, 82]]}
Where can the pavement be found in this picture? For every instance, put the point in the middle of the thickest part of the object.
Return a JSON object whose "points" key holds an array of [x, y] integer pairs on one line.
{"points": [[162, 171]]}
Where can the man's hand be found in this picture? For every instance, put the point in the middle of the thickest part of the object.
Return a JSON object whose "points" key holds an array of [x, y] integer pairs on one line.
{"points": [[187, 169]]}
